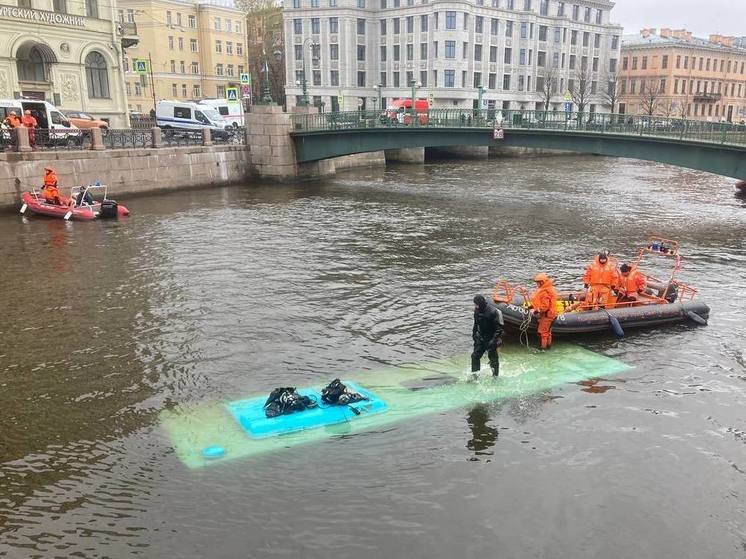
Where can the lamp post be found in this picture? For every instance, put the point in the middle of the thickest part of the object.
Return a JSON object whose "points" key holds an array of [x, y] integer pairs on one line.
{"points": [[378, 88], [480, 89], [415, 85], [266, 90], [304, 83]]}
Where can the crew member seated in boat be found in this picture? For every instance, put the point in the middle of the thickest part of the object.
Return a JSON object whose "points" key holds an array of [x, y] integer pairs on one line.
{"points": [[544, 304], [600, 278], [632, 283], [50, 189], [84, 197], [487, 334]]}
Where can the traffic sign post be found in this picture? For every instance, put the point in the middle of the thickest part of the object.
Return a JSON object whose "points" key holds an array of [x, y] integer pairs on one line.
{"points": [[231, 94], [498, 133], [140, 66], [245, 79], [568, 106]]}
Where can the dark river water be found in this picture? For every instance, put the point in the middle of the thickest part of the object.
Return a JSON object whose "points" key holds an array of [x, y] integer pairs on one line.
{"points": [[213, 295]]}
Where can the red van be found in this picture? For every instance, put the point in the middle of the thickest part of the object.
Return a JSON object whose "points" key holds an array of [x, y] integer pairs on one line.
{"points": [[400, 110]]}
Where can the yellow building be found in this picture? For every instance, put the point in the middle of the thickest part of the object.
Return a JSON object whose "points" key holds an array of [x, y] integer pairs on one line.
{"points": [[66, 52], [197, 49]]}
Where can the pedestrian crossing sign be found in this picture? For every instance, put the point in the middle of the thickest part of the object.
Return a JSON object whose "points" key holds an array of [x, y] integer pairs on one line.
{"points": [[141, 66], [231, 94], [245, 79]]}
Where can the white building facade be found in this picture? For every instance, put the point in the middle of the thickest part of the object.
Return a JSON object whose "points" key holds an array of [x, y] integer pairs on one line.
{"points": [[355, 52], [67, 52]]}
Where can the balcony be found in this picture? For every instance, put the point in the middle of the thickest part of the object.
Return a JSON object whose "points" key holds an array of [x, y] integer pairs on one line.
{"points": [[128, 34], [707, 97]]}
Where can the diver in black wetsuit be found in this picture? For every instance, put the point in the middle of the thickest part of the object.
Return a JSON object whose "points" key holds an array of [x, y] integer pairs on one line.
{"points": [[487, 334]]}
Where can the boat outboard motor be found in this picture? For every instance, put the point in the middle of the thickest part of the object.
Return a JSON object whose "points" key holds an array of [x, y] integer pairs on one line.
{"points": [[109, 209]]}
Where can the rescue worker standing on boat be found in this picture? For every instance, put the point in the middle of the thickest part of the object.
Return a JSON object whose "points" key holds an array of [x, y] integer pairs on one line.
{"points": [[51, 190], [544, 303], [487, 334], [632, 283], [599, 278]]}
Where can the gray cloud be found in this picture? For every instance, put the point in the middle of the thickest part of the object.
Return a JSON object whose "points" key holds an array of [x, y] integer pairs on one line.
{"points": [[726, 17]]}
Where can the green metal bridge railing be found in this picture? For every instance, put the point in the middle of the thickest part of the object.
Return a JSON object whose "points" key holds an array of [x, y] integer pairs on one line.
{"points": [[641, 125]]}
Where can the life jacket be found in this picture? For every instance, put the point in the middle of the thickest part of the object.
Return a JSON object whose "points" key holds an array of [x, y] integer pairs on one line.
{"points": [[544, 299], [28, 121], [601, 274], [50, 180], [13, 121], [337, 393], [634, 282], [285, 400]]}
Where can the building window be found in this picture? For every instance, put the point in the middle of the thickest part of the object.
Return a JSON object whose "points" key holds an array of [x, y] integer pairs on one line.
{"points": [[181, 43], [60, 6], [316, 77], [334, 77], [477, 79], [596, 41], [396, 53], [221, 91], [218, 46], [508, 28], [506, 82], [561, 9], [298, 26], [614, 42], [586, 38], [396, 79], [664, 61], [383, 54], [183, 90], [361, 3], [450, 21], [138, 89], [33, 68], [466, 21], [360, 26], [644, 63], [493, 54], [298, 51], [173, 66], [196, 91], [522, 57], [397, 28], [239, 49], [193, 45], [195, 68], [219, 69], [238, 27], [541, 58], [361, 52], [91, 8], [544, 7], [361, 79], [182, 67], [423, 23], [543, 33], [423, 78], [382, 81], [334, 51], [128, 89], [508, 56], [478, 53], [595, 64], [449, 77], [612, 65], [520, 83], [587, 15], [315, 25], [575, 12], [97, 76], [229, 70], [599, 16], [423, 51], [410, 51], [478, 24], [450, 47], [334, 25], [178, 19], [526, 5], [410, 24], [217, 24], [174, 90], [492, 81], [524, 30], [192, 22], [494, 26]]}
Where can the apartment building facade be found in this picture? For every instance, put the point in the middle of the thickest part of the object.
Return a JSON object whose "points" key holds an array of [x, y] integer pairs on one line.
{"points": [[362, 53], [197, 50], [66, 52], [674, 74]]}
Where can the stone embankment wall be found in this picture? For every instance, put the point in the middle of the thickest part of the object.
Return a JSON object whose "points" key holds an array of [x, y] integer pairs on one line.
{"points": [[125, 171]]}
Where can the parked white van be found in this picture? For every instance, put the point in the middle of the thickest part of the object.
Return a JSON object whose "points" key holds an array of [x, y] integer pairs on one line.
{"points": [[189, 116], [232, 113], [48, 117]]}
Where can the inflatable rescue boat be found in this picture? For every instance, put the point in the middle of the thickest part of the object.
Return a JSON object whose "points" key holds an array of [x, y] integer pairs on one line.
{"points": [[663, 302], [88, 203]]}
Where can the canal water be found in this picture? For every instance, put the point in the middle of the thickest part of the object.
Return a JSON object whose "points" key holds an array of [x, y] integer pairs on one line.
{"points": [[214, 295]]}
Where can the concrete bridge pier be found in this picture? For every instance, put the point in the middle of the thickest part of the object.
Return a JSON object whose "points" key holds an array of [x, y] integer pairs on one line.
{"points": [[459, 152], [271, 148], [405, 155]]}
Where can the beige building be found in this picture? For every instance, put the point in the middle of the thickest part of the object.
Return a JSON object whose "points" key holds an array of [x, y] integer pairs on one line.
{"points": [[197, 49], [67, 52], [675, 74]]}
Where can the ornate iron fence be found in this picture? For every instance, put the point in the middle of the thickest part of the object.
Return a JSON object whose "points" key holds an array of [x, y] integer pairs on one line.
{"points": [[603, 123], [120, 138], [176, 137], [56, 139]]}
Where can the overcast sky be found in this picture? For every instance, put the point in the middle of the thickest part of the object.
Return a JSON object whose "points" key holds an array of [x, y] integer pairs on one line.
{"points": [[727, 17]]}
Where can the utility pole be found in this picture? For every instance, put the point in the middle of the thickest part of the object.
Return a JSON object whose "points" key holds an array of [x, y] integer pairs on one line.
{"points": [[152, 80]]}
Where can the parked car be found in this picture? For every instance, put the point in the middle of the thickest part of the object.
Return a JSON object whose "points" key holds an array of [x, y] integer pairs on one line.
{"points": [[84, 120]]}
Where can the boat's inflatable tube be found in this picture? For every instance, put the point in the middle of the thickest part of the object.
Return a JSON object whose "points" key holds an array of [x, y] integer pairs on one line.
{"points": [[84, 213], [612, 320]]}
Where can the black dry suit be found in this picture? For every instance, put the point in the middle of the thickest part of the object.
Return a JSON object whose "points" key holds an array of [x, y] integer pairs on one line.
{"points": [[487, 334]]}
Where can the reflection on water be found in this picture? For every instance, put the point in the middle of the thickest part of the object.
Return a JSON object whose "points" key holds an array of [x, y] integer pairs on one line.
{"points": [[219, 294]]}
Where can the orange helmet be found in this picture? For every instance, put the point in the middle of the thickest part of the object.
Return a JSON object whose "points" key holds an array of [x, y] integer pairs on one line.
{"points": [[542, 277], [49, 169]]}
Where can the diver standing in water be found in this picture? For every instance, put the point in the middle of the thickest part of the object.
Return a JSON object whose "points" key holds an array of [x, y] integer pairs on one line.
{"points": [[487, 334]]}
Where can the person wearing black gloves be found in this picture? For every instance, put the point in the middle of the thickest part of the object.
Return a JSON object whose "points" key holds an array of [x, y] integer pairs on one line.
{"points": [[487, 334]]}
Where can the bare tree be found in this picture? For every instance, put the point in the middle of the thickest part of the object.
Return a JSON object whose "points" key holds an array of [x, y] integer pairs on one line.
{"points": [[650, 96], [547, 87], [580, 87], [668, 107], [266, 46], [611, 92]]}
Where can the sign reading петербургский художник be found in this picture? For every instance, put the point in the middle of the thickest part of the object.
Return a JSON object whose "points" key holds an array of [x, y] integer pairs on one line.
{"points": [[41, 16]]}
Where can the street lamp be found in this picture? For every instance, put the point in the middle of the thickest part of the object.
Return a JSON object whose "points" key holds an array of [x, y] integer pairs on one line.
{"points": [[266, 90], [304, 82], [480, 89], [378, 88], [415, 85]]}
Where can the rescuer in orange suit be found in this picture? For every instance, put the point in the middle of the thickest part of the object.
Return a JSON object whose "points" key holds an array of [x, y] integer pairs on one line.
{"points": [[600, 278], [631, 283], [29, 122], [51, 190], [544, 303]]}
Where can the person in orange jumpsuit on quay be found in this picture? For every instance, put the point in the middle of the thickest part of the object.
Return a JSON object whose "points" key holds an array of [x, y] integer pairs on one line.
{"points": [[631, 284], [50, 189], [544, 303], [29, 122], [600, 277]]}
